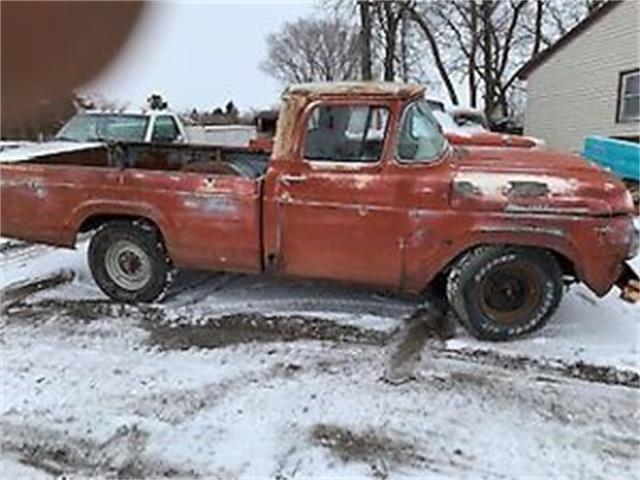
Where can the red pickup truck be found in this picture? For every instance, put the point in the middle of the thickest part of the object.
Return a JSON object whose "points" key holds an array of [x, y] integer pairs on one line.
{"points": [[361, 187]]}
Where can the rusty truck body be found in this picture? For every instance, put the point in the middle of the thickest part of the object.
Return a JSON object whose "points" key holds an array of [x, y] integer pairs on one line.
{"points": [[361, 187]]}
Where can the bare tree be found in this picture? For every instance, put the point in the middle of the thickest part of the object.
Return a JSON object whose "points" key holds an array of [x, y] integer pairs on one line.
{"points": [[487, 41], [427, 29], [390, 45], [388, 15], [481, 42], [313, 50]]}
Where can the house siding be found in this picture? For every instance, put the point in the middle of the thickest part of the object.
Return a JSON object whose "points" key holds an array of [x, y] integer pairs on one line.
{"points": [[574, 92]]}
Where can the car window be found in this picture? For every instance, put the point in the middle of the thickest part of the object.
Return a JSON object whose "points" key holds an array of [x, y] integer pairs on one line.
{"points": [[165, 129], [346, 133], [420, 138], [109, 127]]}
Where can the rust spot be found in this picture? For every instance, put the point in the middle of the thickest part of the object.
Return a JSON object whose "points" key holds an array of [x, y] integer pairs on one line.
{"points": [[466, 189], [527, 189], [216, 204]]}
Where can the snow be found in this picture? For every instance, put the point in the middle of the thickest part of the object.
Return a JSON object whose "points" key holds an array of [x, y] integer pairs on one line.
{"points": [[29, 151], [11, 467], [96, 387]]}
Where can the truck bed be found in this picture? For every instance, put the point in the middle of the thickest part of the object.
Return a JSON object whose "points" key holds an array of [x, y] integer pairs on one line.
{"points": [[205, 200], [221, 160]]}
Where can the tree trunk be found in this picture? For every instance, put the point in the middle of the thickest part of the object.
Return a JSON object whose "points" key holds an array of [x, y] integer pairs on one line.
{"points": [[391, 18], [365, 40], [538, 27], [473, 92], [404, 61], [487, 52]]}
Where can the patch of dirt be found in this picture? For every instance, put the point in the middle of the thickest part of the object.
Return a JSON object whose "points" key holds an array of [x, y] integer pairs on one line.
{"points": [[380, 451], [201, 333], [84, 311], [121, 456], [577, 370], [236, 329]]}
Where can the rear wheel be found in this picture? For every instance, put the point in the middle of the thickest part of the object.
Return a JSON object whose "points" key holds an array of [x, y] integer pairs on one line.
{"points": [[128, 261], [499, 293]]}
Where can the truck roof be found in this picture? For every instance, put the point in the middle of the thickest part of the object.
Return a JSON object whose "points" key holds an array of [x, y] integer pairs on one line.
{"points": [[393, 89]]}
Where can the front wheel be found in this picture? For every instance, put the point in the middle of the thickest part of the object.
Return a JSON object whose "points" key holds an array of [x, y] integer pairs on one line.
{"points": [[128, 262], [500, 293]]}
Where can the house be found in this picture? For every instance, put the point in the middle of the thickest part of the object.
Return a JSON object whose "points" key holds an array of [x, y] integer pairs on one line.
{"points": [[588, 83]]}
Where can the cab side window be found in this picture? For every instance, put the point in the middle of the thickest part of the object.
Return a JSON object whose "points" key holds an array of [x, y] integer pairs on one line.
{"points": [[342, 133], [165, 129], [420, 137]]}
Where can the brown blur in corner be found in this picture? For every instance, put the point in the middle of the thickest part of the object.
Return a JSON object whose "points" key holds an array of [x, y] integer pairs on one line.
{"points": [[50, 48]]}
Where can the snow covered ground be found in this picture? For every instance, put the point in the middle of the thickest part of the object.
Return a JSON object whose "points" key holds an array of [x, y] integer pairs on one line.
{"points": [[237, 376]]}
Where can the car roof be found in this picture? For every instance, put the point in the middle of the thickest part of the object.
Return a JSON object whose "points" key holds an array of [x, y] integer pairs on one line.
{"points": [[141, 112]]}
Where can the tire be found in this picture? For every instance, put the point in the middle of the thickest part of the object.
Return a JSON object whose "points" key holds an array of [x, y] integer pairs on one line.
{"points": [[129, 262], [501, 293]]}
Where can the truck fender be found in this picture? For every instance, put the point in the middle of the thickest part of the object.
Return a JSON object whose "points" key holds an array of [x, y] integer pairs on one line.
{"points": [[116, 208], [424, 259]]}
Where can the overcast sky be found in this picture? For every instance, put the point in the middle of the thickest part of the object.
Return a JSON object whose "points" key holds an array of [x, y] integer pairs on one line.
{"points": [[200, 55]]}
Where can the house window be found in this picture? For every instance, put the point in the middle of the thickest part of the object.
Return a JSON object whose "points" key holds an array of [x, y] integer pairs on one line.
{"points": [[629, 96]]}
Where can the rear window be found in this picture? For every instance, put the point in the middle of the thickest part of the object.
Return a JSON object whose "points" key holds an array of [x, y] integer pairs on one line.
{"points": [[109, 127]]}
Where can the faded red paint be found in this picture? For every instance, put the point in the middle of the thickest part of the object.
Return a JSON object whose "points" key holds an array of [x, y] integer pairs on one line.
{"points": [[386, 224]]}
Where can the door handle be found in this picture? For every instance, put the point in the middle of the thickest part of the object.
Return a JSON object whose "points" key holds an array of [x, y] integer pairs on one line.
{"points": [[289, 179]]}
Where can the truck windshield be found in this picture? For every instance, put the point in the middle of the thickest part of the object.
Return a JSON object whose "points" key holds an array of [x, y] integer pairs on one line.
{"points": [[88, 127], [421, 138]]}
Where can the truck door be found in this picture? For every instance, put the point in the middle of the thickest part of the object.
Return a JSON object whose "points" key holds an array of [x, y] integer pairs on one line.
{"points": [[335, 208]]}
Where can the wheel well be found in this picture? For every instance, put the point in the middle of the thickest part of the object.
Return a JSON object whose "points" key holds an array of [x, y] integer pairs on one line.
{"points": [[95, 221], [566, 265]]}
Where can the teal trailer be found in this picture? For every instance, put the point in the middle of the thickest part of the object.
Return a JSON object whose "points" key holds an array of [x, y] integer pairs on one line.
{"points": [[619, 156]]}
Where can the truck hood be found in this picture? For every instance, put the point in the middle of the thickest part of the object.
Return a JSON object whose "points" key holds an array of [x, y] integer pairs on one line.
{"points": [[521, 180], [22, 151]]}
